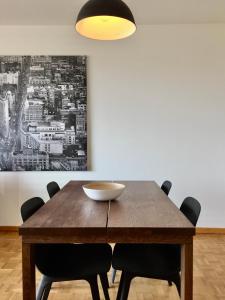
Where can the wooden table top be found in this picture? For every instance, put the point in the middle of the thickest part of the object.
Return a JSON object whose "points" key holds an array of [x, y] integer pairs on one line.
{"points": [[143, 209], [69, 212]]}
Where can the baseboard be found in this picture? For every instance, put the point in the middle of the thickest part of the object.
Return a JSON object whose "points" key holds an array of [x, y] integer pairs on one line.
{"points": [[205, 230], [9, 228]]}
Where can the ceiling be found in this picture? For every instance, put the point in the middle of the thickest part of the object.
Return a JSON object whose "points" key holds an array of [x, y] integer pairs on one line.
{"points": [[64, 12]]}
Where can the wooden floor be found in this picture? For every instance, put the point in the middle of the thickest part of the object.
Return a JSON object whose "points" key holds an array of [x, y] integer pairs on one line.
{"points": [[209, 275]]}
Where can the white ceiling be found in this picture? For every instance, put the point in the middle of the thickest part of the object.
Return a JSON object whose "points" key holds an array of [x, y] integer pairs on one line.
{"points": [[64, 12]]}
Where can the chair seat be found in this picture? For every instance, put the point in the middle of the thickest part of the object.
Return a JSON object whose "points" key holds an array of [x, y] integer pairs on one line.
{"points": [[73, 261], [153, 260]]}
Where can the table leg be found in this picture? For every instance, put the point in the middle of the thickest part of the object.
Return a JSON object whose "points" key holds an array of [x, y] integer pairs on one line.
{"points": [[187, 270], [28, 267]]}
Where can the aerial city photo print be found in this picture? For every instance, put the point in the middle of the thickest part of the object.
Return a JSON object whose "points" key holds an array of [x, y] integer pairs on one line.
{"points": [[43, 113]]}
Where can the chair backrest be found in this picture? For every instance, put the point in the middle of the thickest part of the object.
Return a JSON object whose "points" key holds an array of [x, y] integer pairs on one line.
{"points": [[166, 186], [52, 188], [191, 208], [29, 207]]}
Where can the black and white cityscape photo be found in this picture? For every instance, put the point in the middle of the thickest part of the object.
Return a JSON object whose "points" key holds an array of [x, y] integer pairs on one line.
{"points": [[43, 124]]}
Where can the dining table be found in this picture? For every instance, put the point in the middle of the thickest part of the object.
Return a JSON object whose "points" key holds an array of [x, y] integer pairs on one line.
{"points": [[143, 213]]}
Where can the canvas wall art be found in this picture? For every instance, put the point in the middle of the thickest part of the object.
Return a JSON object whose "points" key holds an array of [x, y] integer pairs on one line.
{"points": [[43, 104]]}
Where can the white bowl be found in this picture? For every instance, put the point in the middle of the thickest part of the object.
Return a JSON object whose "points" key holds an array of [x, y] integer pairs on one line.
{"points": [[102, 191]]}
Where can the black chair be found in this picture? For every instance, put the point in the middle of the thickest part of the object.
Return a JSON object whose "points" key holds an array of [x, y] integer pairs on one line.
{"points": [[52, 188], [157, 261], [166, 186], [64, 262]]}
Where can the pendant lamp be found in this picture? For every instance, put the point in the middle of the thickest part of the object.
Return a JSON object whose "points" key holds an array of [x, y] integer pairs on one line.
{"points": [[105, 20]]}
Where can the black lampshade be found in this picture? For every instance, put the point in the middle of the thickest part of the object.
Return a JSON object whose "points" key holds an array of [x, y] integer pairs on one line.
{"points": [[105, 20]]}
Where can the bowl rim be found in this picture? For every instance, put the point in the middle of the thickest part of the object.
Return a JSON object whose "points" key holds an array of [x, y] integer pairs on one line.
{"points": [[114, 186]]}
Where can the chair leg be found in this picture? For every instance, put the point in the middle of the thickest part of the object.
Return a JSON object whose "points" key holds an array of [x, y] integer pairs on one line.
{"points": [[44, 288], [170, 283], [47, 291], [105, 285], [94, 287], [113, 275], [120, 286], [125, 286], [104, 279], [176, 280]]}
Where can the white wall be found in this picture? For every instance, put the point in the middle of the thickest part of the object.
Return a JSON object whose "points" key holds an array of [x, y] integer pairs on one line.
{"points": [[156, 106]]}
